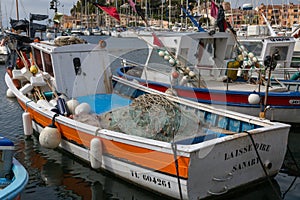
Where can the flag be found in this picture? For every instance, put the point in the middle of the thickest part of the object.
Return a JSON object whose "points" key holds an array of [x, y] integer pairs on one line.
{"points": [[112, 11], [37, 17], [156, 40], [214, 10], [132, 4], [221, 22], [138, 10], [200, 29]]}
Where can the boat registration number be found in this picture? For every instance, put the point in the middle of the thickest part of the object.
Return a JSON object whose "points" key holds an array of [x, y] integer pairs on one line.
{"points": [[151, 179], [294, 102]]}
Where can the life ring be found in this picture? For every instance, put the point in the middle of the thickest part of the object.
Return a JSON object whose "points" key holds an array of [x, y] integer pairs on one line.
{"points": [[102, 43]]}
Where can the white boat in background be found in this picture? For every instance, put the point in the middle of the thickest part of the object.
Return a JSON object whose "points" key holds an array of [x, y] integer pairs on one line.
{"points": [[157, 141], [199, 66], [259, 41]]}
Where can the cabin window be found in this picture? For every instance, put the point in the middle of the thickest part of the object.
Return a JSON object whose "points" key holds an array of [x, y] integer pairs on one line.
{"points": [[254, 47], [38, 58], [283, 51], [48, 63]]}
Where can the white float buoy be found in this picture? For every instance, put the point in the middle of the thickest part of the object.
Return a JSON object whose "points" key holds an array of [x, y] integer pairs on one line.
{"points": [[254, 59], [10, 94], [72, 104], [166, 57], [83, 108], [192, 74], [254, 98], [96, 153], [161, 53], [250, 55], [183, 81], [27, 124], [50, 136]]}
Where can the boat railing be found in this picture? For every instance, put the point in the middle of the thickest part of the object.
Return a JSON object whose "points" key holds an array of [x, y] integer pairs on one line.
{"points": [[144, 69], [248, 75]]}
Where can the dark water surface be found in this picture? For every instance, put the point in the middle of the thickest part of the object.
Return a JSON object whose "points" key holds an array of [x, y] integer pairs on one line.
{"points": [[54, 174]]}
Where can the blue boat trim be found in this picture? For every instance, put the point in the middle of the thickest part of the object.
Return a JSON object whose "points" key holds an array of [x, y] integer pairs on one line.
{"points": [[262, 94]]}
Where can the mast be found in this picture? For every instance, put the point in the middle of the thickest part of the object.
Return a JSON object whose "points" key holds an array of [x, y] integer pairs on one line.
{"points": [[169, 14], [1, 25], [17, 9]]}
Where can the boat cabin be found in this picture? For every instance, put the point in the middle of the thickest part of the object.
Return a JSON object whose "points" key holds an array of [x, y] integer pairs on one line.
{"points": [[193, 50], [73, 60], [262, 47]]}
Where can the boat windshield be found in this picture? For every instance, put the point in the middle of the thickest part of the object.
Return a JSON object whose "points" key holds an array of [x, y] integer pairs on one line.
{"points": [[253, 46], [283, 51]]}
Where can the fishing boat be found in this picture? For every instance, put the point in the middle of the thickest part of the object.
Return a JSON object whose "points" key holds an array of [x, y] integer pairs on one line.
{"points": [[204, 67], [13, 176], [154, 140]]}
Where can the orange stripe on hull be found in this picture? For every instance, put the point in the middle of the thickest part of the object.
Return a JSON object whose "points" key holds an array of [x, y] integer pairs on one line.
{"points": [[158, 161]]}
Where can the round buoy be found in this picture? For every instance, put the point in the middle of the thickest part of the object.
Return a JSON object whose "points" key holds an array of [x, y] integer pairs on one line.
{"points": [[102, 43], [254, 59], [50, 136], [96, 153], [166, 57], [48, 35], [250, 55], [10, 94], [254, 98], [175, 74], [27, 124], [192, 74], [240, 57], [184, 80], [161, 53], [83, 108], [34, 69], [172, 61], [72, 104]]}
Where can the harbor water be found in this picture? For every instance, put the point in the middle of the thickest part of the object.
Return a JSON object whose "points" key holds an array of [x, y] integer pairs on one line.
{"points": [[55, 174]]}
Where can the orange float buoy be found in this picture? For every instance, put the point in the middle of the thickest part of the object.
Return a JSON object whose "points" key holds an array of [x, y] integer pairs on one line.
{"points": [[102, 43], [175, 74]]}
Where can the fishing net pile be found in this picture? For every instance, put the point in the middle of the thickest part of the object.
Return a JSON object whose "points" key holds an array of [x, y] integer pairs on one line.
{"points": [[68, 40], [152, 116]]}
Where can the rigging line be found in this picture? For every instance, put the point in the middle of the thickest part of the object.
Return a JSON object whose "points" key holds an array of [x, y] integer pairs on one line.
{"points": [[174, 148], [262, 165], [11, 8], [24, 10]]}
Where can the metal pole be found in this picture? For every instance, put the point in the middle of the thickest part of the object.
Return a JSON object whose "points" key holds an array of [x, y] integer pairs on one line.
{"points": [[17, 9], [169, 13]]}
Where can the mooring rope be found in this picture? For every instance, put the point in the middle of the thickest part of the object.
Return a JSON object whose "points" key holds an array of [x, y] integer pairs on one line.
{"points": [[174, 148], [262, 165]]}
